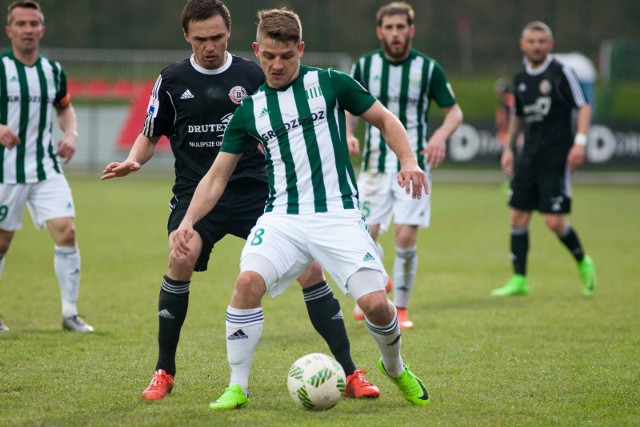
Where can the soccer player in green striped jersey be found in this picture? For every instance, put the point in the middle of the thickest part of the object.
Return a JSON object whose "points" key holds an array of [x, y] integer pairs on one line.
{"points": [[312, 210], [33, 90], [405, 81]]}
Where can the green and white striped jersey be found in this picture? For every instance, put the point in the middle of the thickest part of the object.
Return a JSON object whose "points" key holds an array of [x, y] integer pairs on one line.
{"points": [[302, 130], [406, 88], [28, 95]]}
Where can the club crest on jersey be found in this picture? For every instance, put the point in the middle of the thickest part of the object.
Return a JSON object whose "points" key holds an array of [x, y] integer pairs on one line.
{"points": [[237, 94], [313, 90], [544, 87], [415, 80]]}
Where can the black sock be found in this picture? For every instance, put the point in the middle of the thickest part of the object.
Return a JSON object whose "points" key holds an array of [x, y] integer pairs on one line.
{"points": [[570, 239], [172, 310], [326, 318], [519, 249]]}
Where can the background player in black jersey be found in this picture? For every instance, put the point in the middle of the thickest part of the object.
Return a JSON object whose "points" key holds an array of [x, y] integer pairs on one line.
{"points": [[546, 96], [191, 103]]}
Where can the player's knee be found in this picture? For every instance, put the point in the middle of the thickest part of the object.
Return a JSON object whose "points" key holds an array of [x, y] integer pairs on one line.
{"points": [[181, 266], [520, 219], [406, 236], [555, 223], [312, 275], [69, 234], [63, 232], [250, 287], [4, 247], [377, 307]]}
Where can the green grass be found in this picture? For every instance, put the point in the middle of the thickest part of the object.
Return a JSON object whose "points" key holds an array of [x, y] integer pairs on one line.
{"points": [[551, 358]]}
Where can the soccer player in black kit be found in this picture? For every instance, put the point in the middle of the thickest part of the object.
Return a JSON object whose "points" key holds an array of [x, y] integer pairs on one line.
{"points": [[546, 96], [191, 103]]}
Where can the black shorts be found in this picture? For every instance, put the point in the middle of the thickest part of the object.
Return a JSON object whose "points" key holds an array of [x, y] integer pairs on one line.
{"points": [[546, 189], [236, 213]]}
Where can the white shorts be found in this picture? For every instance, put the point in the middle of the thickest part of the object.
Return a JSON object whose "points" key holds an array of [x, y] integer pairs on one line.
{"points": [[46, 200], [338, 241], [381, 198]]}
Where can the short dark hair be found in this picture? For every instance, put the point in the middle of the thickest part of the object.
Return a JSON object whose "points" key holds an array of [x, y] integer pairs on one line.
{"points": [[282, 25], [199, 10], [395, 8], [28, 4]]}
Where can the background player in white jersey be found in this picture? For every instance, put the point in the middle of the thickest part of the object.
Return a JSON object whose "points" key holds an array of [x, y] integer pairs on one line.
{"points": [[191, 104], [33, 91], [312, 209], [405, 81], [546, 97]]}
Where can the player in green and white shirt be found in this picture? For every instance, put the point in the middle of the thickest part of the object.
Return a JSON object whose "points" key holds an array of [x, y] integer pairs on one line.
{"points": [[24, 87], [316, 179], [33, 92], [406, 82], [312, 213], [406, 87]]}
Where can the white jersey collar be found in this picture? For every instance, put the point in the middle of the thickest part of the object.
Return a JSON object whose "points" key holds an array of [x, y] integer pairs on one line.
{"points": [[220, 70], [539, 70]]}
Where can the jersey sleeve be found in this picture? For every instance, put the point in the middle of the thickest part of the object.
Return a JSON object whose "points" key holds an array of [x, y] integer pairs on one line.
{"points": [[440, 89], [517, 107], [571, 89], [236, 136], [352, 96], [356, 72], [63, 98], [160, 112]]}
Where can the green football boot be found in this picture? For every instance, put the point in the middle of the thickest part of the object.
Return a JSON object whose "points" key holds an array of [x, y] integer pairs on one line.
{"points": [[410, 386], [587, 275], [232, 398], [516, 286]]}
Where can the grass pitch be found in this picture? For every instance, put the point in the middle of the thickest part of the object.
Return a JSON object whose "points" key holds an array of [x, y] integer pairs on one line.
{"points": [[551, 358]]}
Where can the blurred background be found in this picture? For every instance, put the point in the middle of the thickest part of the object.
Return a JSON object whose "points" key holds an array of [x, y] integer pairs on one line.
{"points": [[113, 50]]}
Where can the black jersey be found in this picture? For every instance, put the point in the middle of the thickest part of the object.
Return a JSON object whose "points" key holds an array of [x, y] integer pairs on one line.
{"points": [[192, 107], [545, 99]]}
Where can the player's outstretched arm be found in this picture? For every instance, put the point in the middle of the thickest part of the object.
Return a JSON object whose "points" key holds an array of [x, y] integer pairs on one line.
{"points": [[141, 152], [577, 153], [507, 159], [68, 123], [436, 149], [410, 177], [205, 198], [352, 142]]}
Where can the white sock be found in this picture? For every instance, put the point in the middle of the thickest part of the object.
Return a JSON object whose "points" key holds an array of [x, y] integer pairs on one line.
{"points": [[405, 267], [244, 329], [1, 264], [66, 263], [389, 342]]}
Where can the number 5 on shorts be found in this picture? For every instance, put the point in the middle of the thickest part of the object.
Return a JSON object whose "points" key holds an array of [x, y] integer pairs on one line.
{"points": [[366, 208], [257, 237]]}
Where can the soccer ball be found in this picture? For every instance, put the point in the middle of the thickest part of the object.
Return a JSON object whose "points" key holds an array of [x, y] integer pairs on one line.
{"points": [[316, 382]]}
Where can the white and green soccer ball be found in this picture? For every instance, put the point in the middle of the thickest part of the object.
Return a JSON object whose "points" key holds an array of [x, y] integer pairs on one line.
{"points": [[316, 382]]}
